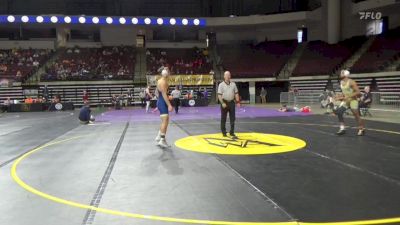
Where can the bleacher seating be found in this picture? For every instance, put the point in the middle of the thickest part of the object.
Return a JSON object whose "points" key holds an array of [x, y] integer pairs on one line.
{"points": [[179, 61], [18, 64], [107, 63], [263, 60], [98, 93], [321, 58], [14, 93], [307, 91], [383, 49], [389, 89]]}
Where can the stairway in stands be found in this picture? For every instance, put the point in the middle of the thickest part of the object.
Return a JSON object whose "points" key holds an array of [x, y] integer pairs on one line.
{"points": [[42, 69], [356, 56], [394, 66], [291, 64], [140, 67]]}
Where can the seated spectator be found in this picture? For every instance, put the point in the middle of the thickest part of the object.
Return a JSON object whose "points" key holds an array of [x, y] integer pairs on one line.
{"points": [[19, 74], [3, 68], [366, 98], [35, 63]]}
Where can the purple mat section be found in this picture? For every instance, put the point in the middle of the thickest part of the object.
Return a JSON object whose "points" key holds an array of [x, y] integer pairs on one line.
{"points": [[191, 113]]}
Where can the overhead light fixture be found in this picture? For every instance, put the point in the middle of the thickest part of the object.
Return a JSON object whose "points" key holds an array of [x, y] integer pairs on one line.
{"points": [[25, 19], [39, 19], [82, 19], [135, 20], [172, 21], [95, 20], [109, 20], [185, 21], [54, 19], [67, 19], [147, 21], [10, 18]]}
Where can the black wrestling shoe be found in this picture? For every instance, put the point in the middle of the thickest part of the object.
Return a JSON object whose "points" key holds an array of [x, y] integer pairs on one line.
{"points": [[361, 132], [224, 135], [233, 135], [341, 132]]}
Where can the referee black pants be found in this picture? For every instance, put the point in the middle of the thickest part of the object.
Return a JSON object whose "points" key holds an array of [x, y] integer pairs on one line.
{"points": [[176, 104], [230, 108]]}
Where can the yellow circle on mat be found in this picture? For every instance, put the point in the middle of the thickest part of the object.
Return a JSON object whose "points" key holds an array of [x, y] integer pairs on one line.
{"points": [[246, 144]]}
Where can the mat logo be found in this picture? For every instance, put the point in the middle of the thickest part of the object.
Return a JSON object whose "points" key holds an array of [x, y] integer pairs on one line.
{"points": [[246, 144], [224, 143], [370, 15]]}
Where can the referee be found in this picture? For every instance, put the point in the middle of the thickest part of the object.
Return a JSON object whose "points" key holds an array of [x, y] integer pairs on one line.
{"points": [[227, 94], [176, 94]]}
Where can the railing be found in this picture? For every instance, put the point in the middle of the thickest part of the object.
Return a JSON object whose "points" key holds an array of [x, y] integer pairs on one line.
{"points": [[381, 101], [300, 98], [385, 101]]}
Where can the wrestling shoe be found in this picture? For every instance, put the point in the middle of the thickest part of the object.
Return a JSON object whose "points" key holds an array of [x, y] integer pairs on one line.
{"points": [[341, 132], [361, 132], [158, 138], [163, 144], [233, 135]]}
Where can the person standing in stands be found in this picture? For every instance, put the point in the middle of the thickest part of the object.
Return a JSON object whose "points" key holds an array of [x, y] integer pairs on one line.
{"points": [[205, 94], [227, 94], [142, 96], [6, 105], [176, 94], [263, 95], [45, 93], [85, 96], [350, 92]]}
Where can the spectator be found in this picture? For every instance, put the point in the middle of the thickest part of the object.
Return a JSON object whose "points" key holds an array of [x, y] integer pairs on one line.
{"points": [[35, 63], [205, 94], [19, 74], [6, 105], [366, 98], [263, 95], [85, 96], [45, 93]]}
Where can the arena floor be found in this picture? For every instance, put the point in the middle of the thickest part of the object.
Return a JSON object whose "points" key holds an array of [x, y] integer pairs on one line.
{"points": [[55, 171]]}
